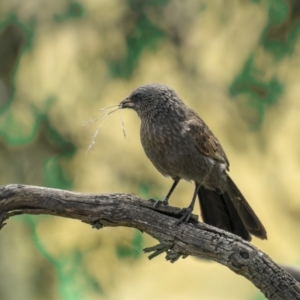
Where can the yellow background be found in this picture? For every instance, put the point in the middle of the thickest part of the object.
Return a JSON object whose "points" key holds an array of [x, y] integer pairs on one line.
{"points": [[237, 63]]}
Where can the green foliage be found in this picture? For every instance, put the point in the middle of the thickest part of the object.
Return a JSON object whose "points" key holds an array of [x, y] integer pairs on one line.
{"points": [[282, 30], [260, 94], [73, 277], [143, 36], [73, 10]]}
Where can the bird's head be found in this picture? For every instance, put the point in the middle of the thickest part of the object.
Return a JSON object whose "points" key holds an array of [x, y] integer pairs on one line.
{"points": [[152, 100]]}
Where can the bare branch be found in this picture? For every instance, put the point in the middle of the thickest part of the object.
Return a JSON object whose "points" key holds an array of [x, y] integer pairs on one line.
{"points": [[197, 239]]}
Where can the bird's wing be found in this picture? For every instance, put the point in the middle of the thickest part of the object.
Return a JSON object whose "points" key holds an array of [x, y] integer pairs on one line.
{"points": [[205, 141]]}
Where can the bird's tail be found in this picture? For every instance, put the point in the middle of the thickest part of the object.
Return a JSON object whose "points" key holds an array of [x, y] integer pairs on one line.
{"points": [[230, 211]]}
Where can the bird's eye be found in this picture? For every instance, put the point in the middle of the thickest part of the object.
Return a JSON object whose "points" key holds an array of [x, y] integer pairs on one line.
{"points": [[135, 97]]}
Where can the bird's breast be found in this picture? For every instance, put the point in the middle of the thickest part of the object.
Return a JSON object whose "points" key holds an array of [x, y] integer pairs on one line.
{"points": [[166, 147], [172, 151], [161, 138]]}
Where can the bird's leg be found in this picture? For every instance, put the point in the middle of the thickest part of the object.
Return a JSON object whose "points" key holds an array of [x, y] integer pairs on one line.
{"points": [[187, 212], [166, 200]]}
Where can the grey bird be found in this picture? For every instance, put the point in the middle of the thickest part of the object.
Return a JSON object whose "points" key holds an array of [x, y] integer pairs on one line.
{"points": [[181, 146]]}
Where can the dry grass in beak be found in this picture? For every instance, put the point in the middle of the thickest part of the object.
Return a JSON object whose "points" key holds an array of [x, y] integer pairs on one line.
{"points": [[103, 117], [122, 122]]}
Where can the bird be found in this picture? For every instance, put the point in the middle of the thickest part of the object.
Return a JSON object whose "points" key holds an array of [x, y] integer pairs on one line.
{"points": [[181, 146]]}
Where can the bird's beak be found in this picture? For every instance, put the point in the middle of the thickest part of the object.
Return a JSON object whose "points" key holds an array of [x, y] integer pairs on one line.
{"points": [[126, 103]]}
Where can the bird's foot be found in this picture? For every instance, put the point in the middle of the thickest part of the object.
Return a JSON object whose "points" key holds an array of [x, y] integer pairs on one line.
{"points": [[186, 214], [160, 202], [152, 200]]}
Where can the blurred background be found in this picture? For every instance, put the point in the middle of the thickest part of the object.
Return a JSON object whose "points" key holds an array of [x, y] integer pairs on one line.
{"points": [[237, 63]]}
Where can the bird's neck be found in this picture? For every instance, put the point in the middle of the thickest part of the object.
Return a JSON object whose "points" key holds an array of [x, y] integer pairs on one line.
{"points": [[163, 115]]}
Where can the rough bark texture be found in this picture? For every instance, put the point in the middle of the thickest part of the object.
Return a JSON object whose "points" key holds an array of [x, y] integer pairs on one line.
{"points": [[197, 239]]}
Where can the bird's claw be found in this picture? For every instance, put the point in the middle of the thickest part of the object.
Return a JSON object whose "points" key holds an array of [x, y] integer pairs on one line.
{"points": [[161, 202], [186, 215], [152, 200]]}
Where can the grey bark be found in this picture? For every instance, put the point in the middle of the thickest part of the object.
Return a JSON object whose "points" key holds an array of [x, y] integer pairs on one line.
{"points": [[197, 239]]}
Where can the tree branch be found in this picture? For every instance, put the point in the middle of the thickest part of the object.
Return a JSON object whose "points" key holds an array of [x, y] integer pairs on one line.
{"points": [[197, 239]]}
